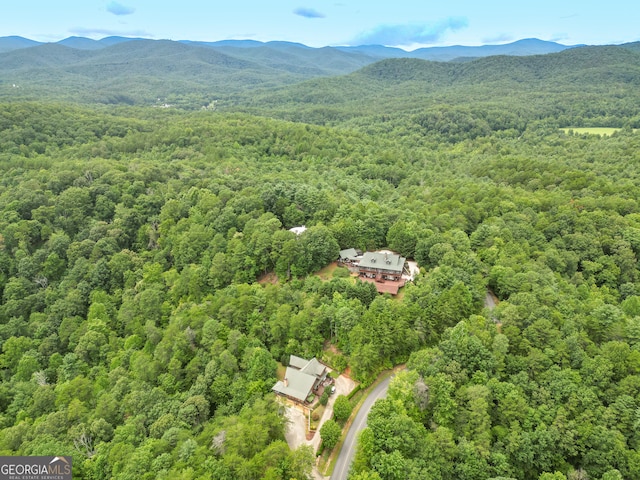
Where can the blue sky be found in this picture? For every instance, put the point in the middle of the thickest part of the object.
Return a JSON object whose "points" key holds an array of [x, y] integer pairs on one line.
{"points": [[319, 23]]}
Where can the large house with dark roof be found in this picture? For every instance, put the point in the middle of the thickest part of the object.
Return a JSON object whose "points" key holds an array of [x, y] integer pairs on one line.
{"points": [[302, 377]]}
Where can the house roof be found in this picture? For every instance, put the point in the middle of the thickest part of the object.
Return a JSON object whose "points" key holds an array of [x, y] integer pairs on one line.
{"points": [[313, 367], [298, 230], [297, 362], [296, 384], [348, 254], [310, 367], [383, 261]]}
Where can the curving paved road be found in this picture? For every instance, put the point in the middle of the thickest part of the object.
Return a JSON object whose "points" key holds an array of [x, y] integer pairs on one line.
{"points": [[348, 450]]}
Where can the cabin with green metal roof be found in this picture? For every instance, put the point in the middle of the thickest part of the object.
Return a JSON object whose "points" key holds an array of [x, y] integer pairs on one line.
{"points": [[302, 378]]}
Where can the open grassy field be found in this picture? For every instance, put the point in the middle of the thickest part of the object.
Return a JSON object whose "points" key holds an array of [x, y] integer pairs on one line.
{"points": [[605, 131]]}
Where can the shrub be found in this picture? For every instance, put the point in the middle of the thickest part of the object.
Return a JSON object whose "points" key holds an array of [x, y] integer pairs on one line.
{"points": [[341, 272], [342, 408], [330, 434]]}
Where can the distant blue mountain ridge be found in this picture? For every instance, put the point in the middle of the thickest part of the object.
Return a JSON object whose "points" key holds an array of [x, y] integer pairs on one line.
{"points": [[529, 46]]}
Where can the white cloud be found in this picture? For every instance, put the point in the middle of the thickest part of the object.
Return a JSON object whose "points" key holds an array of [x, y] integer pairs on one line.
{"points": [[407, 34]]}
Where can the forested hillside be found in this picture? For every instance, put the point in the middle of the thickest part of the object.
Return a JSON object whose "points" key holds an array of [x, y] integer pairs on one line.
{"points": [[161, 72], [587, 86], [149, 283]]}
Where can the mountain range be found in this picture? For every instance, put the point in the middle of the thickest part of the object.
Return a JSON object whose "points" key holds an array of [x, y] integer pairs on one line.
{"points": [[529, 46], [250, 74]]}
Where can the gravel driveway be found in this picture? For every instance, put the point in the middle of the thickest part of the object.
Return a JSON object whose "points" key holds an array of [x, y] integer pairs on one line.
{"points": [[296, 431]]}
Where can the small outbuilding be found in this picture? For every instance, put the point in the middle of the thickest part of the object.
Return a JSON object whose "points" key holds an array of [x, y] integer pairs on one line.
{"points": [[349, 257], [298, 230]]}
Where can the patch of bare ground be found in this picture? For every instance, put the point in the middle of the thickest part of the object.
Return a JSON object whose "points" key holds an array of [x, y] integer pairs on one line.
{"points": [[269, 277], [330, 347]]}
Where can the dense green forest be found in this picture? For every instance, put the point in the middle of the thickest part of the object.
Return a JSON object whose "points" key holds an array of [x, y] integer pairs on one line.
{"points": [[136, 335]]}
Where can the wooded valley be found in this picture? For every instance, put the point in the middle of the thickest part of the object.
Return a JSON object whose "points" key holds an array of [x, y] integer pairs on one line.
{"points": [[150, 285]]}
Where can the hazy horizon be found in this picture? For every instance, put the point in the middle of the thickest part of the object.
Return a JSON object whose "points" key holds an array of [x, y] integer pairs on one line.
{"points": [[407, 25]]}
